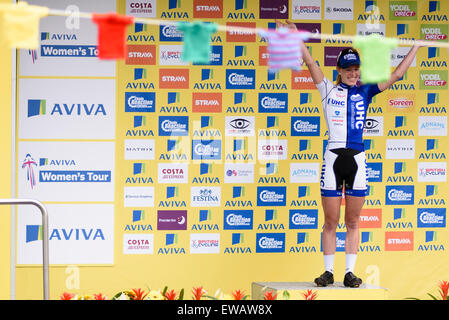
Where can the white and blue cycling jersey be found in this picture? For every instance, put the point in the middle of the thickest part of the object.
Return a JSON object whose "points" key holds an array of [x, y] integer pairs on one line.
{"points": [[345, 111], [344, 161]]}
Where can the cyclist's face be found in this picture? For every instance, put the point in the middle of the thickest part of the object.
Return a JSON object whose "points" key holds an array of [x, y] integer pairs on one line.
{"points": [[350, 75]]}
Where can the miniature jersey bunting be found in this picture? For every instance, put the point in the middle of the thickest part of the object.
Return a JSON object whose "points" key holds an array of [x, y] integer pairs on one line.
{"points": [[112, 34], [196, 42], [284, 49], [19, 25], [375, 52]]}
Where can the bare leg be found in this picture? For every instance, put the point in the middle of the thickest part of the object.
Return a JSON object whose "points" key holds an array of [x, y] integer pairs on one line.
{"points": [[352, 217], [331, 208]]}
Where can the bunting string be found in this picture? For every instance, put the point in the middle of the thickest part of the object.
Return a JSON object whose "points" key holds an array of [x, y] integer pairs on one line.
{"points": [[248, 30]]}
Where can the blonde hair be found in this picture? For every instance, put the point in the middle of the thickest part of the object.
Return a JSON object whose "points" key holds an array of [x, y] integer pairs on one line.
{"points": [[338, 80]]}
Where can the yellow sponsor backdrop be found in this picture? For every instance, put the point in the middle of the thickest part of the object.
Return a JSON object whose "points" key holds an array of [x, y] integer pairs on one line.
{"points": [[5, 169], [407, 272]]}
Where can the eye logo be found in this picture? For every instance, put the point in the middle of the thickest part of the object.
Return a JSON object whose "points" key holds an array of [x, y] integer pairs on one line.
{"points": [[240, 123], [371, 123]]}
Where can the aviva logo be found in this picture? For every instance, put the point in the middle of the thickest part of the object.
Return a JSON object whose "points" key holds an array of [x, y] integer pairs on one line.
{"points": [[36, 107], [33, 233]]}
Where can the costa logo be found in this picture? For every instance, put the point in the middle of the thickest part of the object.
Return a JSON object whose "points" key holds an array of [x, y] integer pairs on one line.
{"points": [[399, 241], [207, 102], [302, 80], [208, 8], [241, 35], [141, 54], [174, 78]]}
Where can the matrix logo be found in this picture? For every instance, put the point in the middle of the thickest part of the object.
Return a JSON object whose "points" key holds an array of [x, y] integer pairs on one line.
{"points": [[36, 107], [28, 164]]}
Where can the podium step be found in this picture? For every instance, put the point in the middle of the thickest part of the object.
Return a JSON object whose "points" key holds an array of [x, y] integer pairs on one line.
{"points": [[337, 291]]}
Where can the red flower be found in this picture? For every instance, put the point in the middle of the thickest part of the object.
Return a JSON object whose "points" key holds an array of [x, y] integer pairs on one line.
{"points": [[99, 296], [270, 296], [310, 294], [170, 295], [138, 294], [198, 293], [67, 296], [444, 288], [239, 295]]}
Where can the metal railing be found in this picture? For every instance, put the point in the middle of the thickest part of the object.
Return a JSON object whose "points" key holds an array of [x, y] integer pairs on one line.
{"points": [[45, 236]]}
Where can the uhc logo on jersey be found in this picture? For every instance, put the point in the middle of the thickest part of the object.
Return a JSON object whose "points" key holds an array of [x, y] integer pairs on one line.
{"points": [[240, 79]]}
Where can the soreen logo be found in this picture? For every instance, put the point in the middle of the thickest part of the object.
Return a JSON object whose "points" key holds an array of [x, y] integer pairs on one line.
{"points": [[270, 242]]}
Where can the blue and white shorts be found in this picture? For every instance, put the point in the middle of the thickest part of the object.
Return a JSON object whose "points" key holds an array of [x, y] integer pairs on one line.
{"points": [[344, 167]]}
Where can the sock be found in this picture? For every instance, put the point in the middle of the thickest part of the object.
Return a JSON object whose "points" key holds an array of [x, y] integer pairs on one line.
{"points": [[329, 262], [350, 262]]}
